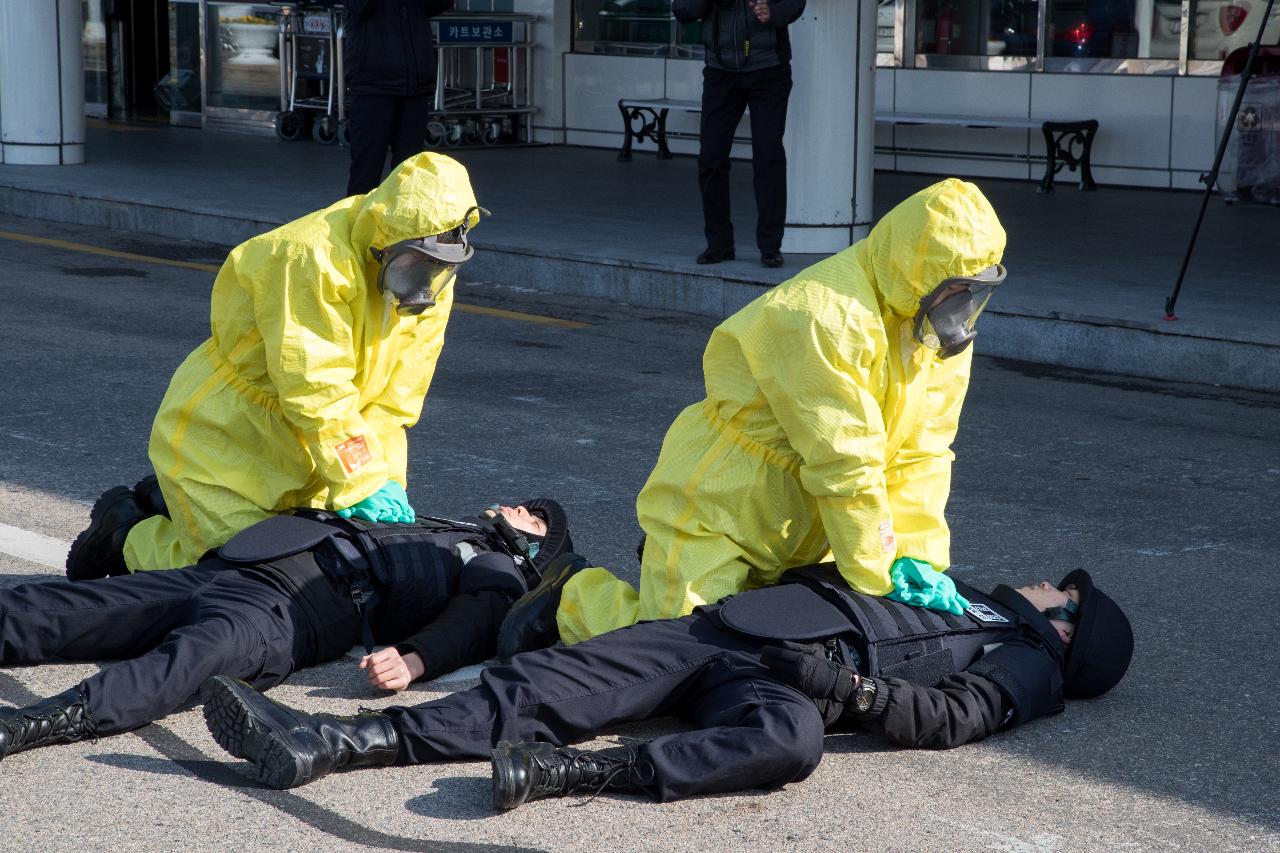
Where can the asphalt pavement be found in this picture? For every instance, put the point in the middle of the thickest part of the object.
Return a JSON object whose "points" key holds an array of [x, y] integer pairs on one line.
{"points": [[1165, 492]]}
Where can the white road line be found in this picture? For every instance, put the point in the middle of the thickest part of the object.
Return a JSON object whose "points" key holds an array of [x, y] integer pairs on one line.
{"points": [[33, 547]]}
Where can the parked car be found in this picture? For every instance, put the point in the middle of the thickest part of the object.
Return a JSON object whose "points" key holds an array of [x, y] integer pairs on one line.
{"points": [[1221, 26]]}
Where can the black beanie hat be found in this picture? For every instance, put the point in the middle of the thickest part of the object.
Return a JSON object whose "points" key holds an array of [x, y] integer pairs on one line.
{"points": [[556, 541], [1101, 645]]}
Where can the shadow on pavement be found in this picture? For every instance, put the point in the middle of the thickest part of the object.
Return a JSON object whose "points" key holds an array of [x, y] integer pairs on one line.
{"points": [[456, 798]]}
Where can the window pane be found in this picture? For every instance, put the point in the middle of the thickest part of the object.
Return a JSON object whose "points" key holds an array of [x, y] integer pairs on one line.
{"points": [[1097, 28], [633, 27], [971, 27], [1013, 24]]}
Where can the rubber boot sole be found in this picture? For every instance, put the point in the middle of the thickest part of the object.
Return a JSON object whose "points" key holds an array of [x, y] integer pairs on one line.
{"points": [[506, 787], [78, 567], [237, 729]]}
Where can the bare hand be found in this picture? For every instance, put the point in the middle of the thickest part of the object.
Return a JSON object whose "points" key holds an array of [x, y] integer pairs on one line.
{"points": [[388, 670], [761, 8]]}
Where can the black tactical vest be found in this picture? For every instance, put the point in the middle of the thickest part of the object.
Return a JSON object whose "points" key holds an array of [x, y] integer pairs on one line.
{"points": [[401, 575], [884, 638]]}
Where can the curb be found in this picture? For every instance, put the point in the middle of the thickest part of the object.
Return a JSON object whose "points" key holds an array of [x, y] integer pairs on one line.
{"points": [[1084, 343]]}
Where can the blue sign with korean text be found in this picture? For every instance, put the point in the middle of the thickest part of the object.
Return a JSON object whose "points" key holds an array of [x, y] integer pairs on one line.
{"points": [[452, 31]]}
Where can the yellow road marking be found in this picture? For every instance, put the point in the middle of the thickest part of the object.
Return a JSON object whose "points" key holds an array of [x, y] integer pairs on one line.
{"points": [[69, 246]]}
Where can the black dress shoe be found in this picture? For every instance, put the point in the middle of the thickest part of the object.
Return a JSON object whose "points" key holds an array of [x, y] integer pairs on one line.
{"points": [[715, 256], [771, 259], [99, 550]]}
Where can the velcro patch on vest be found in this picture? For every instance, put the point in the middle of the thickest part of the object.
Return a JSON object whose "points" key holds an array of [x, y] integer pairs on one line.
{"points": [[791, 611], [983, 613]]}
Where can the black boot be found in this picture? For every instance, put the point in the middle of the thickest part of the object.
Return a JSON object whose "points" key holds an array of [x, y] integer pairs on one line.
{"points": [[531, 621], [58, 719], [291, 748], [531, 771], [99, 550], [149, 498]]}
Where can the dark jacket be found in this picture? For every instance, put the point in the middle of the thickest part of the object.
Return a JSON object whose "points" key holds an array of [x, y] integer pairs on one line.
{"points": [[734, 39], [942, 680], [388, 46], [439, 592]]}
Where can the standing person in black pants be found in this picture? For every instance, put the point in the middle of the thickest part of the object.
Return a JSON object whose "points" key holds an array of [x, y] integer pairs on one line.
{"points": [[748, 63], [391, 75]]}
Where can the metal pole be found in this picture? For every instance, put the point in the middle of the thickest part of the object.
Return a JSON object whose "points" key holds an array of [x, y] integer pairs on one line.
{"points": [[1212, 178]]}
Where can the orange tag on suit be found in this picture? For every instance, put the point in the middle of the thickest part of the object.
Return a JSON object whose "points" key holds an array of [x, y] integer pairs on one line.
{"points": [[354, 453]]}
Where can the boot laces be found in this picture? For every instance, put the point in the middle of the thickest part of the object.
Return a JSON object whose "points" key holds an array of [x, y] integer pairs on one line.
{"points": [[68, 725], [613, 768]]}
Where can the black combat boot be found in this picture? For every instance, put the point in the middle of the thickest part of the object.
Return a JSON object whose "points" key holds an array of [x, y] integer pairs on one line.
{"points": [[58, 719], [531, 621], [149, 498], [531, 771], [289, 747], [99, 550]]}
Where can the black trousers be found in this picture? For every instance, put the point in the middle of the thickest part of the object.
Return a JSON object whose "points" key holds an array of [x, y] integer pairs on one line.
{"points": [[170, 630], [379, 122], [725, 94], [750, 730]]}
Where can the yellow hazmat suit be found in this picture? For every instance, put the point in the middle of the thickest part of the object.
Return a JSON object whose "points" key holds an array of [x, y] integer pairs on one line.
{"points": [[302, 394], [825, 426]]}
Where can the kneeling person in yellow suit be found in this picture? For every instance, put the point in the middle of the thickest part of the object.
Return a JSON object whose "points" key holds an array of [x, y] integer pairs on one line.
{"points": [[325, 336], [832, 402]]}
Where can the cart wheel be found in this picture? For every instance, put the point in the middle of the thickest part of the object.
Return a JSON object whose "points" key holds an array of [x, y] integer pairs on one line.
{"points": [[472, 132], [344, 135], [435, 134], [492, 132], [325, 130], [453, 135], [288, 126]]}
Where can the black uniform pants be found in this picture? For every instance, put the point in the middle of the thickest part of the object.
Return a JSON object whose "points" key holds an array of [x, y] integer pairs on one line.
{"points": [[725, 94], [751, 730], [170, 630], [379, 122]]}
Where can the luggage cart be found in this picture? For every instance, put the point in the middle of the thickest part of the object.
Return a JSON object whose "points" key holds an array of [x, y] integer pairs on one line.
{"points": [[311, 88], [484, 81]]}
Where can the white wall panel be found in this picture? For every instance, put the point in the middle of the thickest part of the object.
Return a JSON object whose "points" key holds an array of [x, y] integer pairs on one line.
{"points": [[550, 43], [595, 83], [976, 93], [1194, 134], [967, 167], [986, 93], [1188, 180], [1132, 112], [1153, 178]]}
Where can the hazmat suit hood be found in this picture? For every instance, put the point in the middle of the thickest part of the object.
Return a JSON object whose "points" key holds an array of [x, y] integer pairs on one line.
{"points": [[427, 194], [948, 229]]}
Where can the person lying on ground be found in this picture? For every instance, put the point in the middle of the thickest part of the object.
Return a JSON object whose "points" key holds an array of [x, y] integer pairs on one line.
{"points": [[290, 592], [760, 676]]}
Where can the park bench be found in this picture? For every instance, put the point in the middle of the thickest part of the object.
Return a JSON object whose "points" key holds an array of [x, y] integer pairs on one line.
{"points": [[1062, 139], [1067, 143]]}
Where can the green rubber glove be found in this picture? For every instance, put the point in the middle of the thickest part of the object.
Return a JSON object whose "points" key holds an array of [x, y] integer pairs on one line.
{"points": [[918, 583], [388, 504]]}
